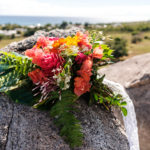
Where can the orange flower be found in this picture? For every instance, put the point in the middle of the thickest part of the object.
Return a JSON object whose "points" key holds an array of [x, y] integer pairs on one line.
{"points": [[84, 74], [37, 76], [81, 83], [87, 64], [58, 43], [81, 86], [83, 41], [98, 53]]}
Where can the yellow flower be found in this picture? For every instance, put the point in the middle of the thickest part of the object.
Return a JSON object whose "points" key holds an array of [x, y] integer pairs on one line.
{"points": [[72, 41]]}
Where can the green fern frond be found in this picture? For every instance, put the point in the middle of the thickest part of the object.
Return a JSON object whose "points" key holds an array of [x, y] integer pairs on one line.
{"points": [[13, 68], [22, 64], [65, 119], [8, 80]]}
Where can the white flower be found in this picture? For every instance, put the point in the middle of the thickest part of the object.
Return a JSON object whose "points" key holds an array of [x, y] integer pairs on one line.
{"points": [[103, 38], [99, 42], [100, 32], [50, 44], [58, 69], [84, 49], [71, 50], [55, 76]]}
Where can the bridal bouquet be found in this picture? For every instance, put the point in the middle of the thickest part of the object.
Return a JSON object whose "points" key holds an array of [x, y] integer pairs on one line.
{"points": [[55, 73]]}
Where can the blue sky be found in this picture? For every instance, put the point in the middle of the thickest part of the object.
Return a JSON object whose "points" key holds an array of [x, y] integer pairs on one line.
{"points": [[108, 10]]}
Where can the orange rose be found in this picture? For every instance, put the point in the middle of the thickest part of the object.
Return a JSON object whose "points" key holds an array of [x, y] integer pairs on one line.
{"points": [[98, 53], [81, 86], [81, 83], [87, 64], [84, 74], [86, 68]]}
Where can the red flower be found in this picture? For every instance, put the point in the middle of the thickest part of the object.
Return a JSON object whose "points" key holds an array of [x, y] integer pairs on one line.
{"points": [[51, 62], [37, 76], [80, 58]]}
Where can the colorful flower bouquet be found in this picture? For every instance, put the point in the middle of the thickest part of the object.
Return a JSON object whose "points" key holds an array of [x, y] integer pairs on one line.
{"points": [[55, 73]]}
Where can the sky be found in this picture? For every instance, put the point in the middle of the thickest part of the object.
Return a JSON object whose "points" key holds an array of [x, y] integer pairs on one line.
{"points": [[107, 10]]}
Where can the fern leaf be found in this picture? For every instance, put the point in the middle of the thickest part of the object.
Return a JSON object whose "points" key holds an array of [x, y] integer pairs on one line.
{"points": [[65, 119], [13, 68]]}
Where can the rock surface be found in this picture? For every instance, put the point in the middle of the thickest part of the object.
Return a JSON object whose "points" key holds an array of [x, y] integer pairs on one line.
{"points": [[24, 128], [134, 75]]}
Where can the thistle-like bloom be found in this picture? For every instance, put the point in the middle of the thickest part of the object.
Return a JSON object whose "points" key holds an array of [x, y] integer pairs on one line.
{"points": [[37, 76]]}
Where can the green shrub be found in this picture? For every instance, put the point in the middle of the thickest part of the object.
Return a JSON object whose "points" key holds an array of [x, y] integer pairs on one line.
{"points": [[30, 32], [18, 32], [135, 39], [1, 36], [10, 26], [86, 25], [135, 33], [147, 37], [119, 47], [63, 25], [12, 36]]}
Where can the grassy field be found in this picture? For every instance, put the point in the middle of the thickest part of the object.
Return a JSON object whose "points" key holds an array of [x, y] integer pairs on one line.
{"points": [[134, 49], [5, 42]]}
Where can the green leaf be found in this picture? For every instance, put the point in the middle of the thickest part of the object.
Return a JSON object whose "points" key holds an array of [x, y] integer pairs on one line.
{"points": [[124, 111], [96, 96], [23, 94], [123, 103], [69, 126]]}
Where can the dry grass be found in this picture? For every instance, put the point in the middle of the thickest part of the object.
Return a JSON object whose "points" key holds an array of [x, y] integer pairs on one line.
{"points": [[5, 42], [135, 49]]}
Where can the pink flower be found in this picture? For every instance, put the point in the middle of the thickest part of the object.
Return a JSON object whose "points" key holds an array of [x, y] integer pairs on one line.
{"points": [[98, 53], [42, 42], [80, 58], [83, 41], [47, 61], [53, 38], [51, 62]]}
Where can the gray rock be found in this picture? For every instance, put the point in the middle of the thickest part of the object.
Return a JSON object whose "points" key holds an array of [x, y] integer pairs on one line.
{"points": [[134, 74], [25, 128]]}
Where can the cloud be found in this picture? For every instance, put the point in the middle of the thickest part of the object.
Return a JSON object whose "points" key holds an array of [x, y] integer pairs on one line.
{"points": [[107, 13]]}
